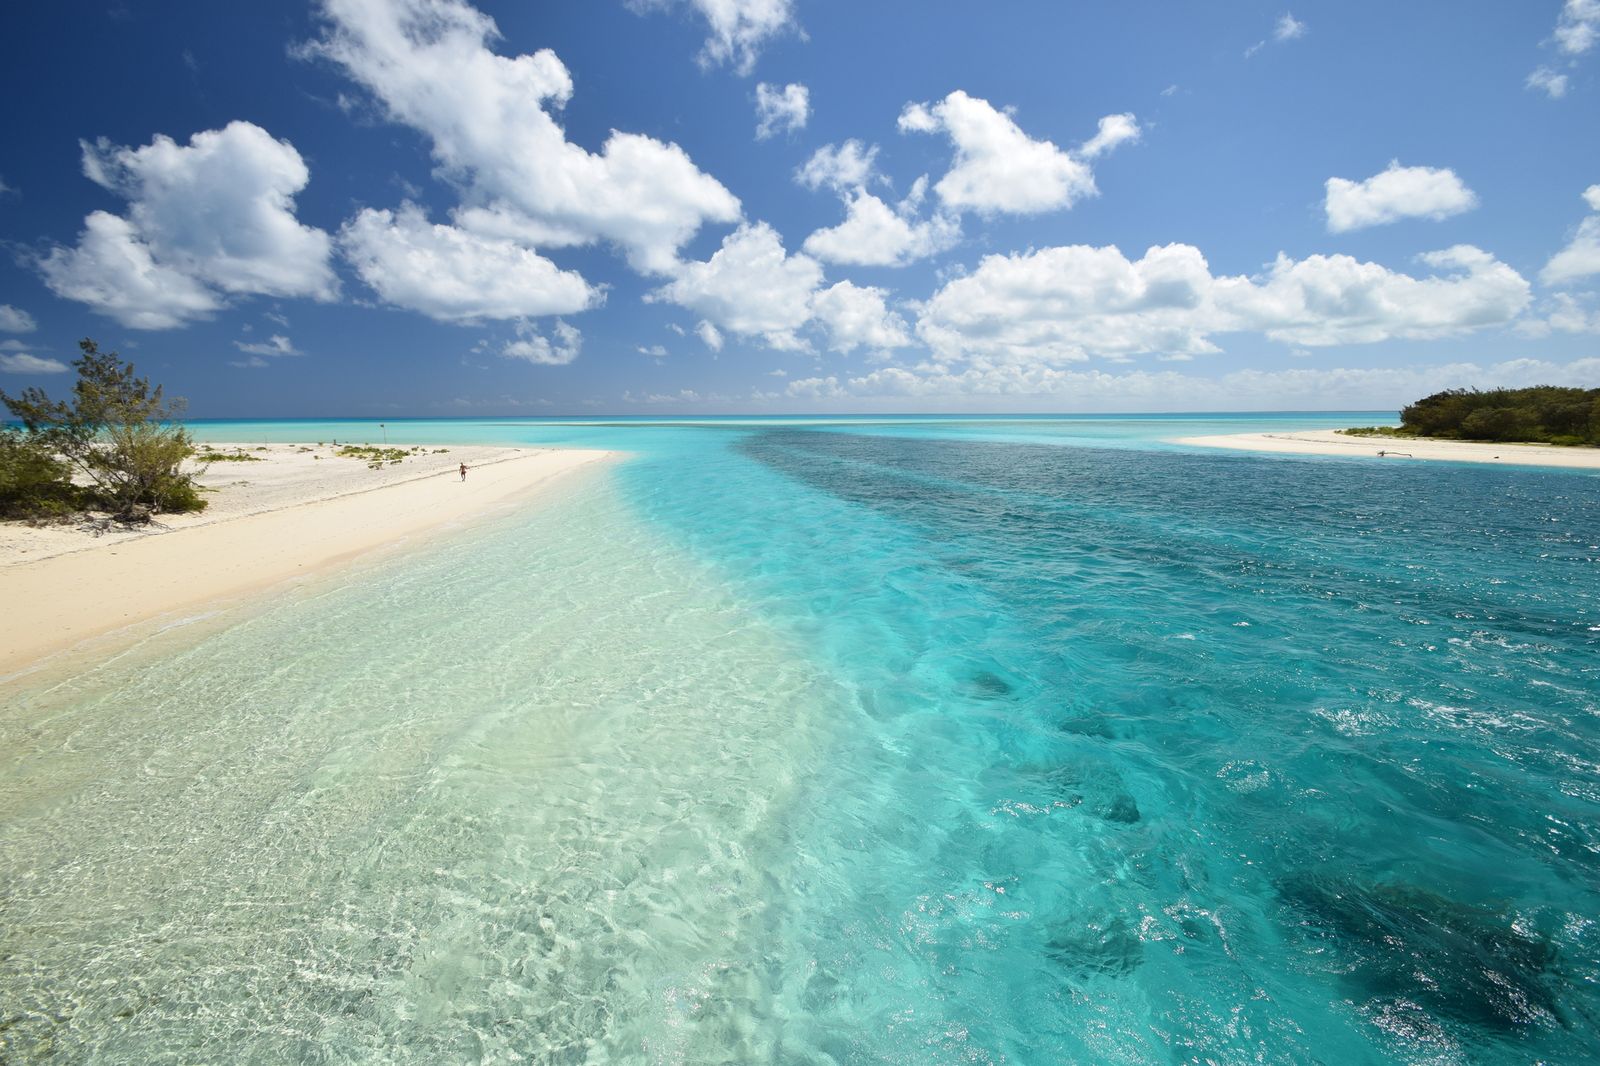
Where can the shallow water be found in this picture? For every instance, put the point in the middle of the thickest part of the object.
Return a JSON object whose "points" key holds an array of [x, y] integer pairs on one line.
{"points": [[903, 740]]}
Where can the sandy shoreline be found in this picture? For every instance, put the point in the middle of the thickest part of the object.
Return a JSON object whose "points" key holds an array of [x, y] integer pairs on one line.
{"points": [[287, 517], [1399, 449]]}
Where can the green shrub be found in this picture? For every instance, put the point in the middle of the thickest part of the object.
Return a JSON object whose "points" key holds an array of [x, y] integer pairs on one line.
{"points": [[1546, 414], [116, 433], [33, 482], [211, 455]]}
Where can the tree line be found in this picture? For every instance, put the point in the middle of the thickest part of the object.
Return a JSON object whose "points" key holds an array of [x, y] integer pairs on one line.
{"points": [[1543, 414], [115, 445]]}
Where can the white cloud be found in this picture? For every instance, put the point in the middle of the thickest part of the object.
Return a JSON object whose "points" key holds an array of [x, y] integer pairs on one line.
{"points": [[750, 286], [23, 363], [276, 345], [1067, 304], [112, 270], [1561, 313], [489, 120], [1013, 387], [709, 335], [682, 396], [536, 348], [874, 234], [1114, 130], [655, 351], [1553, 84], [1577, 30], [840, 167], [211, 218], [1578, 26], [1581, 257], [1287, 28], [454, 275], [738, 27], [1399, 192], [999, 168], [255, 362], [781, 110], [16, 320], [856, 316], [221, 209], [1327, 300]]}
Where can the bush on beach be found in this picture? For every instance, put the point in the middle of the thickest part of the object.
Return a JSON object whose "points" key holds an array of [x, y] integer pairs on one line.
{"points": [[114, 446], [1544, 414]]}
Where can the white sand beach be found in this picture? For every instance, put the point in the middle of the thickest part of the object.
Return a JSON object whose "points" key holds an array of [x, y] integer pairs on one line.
{"points": [[1399, 449], [298, 511]]}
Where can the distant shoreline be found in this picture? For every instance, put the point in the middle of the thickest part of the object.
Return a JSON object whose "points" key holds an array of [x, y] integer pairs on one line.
{"points": [[291, 515], [1333, 442]]}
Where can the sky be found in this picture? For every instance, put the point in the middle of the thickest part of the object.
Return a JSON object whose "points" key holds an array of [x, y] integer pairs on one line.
{"points": [[369, 208]]}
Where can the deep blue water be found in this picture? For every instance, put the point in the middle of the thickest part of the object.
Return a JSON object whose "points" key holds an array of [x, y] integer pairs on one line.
{"points": [[1121, 752]]}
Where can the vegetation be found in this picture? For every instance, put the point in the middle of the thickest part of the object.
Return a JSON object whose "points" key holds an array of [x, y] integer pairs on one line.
{"points": [[376, 457], [33, 482], [115, 445], [238, 455], [1544, 414]]}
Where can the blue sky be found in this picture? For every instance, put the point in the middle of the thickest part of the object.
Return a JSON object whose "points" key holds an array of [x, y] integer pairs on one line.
{"points": [[430, 207]]}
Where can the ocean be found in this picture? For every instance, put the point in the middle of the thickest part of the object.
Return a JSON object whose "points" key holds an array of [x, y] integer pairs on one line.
{"points": [[923, 741]]}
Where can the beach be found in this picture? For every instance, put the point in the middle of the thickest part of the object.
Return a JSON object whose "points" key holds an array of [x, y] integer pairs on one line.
{"points": [[1333, 442], [290, 511]]}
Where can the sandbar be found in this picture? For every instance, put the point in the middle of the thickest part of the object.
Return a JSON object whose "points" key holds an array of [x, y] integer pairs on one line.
{"points": [[1400, 449], [271, 522]]}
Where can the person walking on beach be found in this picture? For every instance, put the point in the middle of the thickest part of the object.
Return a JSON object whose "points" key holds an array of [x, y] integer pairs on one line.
{"points": [[463, 471]]}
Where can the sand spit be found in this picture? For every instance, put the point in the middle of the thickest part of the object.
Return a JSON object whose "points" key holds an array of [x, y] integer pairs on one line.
{"points": [[286, 517], [1399, 449]]}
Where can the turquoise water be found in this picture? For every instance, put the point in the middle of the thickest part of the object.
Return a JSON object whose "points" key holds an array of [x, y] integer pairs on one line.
{"points": [[914, 741]]}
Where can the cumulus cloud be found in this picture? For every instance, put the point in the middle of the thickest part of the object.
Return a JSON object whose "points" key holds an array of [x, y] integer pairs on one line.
{"points": [[781, 110], [1399, 192], [1581, 257], [840, 167], [534, 347], [739, 28], [1000, 169], [1013, 387], [654, 351], [856, 316], [205, 220], [709, 335], [874, 234], [489, 119], [1066, 304], [1561, 313], [24, 363], [750, 286], [114, 271], [454, 275], [1114, 130], [276, 345], [16, 320]]}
